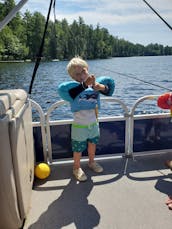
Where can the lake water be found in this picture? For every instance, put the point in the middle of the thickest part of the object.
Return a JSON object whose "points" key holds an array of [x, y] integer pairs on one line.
{"points": [[154, 70]]}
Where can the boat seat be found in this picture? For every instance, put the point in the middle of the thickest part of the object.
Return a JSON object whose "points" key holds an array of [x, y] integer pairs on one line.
{"points": [[11, 101], [16, 157]]}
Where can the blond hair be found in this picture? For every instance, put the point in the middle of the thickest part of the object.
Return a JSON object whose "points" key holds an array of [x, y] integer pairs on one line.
{"points": [[76, 61]]}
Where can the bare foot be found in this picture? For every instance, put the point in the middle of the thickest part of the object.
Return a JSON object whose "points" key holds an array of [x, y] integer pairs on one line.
{"points": [[170, 206], [169, 200], [168, 164]]}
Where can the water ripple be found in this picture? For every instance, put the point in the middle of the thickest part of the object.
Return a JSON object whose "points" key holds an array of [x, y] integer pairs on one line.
{"points": [[157, 70]]}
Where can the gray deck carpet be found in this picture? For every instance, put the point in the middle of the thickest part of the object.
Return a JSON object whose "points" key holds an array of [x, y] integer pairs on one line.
{"points": [[129, 194]]}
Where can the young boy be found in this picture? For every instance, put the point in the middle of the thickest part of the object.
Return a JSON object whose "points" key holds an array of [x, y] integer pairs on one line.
{"points": [[84, 97]]}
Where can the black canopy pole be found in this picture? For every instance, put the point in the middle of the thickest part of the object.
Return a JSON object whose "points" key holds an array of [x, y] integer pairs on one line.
{"points": [[38, 58], [169, 26]]}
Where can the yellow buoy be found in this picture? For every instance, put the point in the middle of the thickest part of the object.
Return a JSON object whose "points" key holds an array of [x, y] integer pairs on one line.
{"points": [[42, 170]]}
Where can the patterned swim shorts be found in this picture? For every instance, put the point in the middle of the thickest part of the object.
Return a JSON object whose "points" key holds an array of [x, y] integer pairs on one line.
{"points": [[82, 134]]}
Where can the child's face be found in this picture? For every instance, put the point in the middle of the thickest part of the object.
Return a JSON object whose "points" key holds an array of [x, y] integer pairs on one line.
{"points": [[80, 73]]}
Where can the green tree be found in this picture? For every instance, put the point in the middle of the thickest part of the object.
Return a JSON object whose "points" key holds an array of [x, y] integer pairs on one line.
{"points": [[65, 38], [90, 42], [35, 28], [22, 38], [11, 48]]}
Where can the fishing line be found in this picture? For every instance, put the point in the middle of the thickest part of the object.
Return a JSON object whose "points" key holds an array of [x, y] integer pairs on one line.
{"points": [[122, 74], [169, 26], [135, 78]]}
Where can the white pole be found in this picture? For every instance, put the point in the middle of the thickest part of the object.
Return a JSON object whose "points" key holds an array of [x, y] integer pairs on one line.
{"points": [[12, 14]]}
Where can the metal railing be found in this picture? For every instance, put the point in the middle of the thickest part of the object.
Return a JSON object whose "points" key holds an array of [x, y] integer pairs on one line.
{"points": [[59, 103], [128, 116]]}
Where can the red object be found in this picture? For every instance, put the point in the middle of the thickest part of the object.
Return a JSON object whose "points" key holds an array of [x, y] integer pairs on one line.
{"points": [[165, 101]]}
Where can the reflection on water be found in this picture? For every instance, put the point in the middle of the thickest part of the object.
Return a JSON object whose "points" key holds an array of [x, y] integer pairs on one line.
{"points": [[154, 70]]}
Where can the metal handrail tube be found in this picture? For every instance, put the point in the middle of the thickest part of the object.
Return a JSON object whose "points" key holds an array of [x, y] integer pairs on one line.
{"points": [[59, 103], [42, 124], [147, 97]]}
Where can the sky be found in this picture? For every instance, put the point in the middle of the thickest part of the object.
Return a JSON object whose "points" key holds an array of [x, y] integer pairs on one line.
{"points": [[131, 20]]}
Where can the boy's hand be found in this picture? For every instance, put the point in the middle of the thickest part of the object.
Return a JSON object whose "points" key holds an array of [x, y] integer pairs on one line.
{"points": [[90, 81], [98, 87]]}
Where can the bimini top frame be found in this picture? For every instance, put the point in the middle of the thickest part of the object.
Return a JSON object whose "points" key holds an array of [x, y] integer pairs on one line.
{"points": [[12, 14]]}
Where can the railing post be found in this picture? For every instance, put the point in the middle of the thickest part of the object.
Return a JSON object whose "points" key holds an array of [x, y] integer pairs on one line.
{"points": [[42, 124]]}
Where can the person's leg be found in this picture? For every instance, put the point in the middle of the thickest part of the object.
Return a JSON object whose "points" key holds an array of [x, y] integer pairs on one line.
{"points": [[79, 144], [91, 154], [94, 135], [93, 138], [77, 148], [77, 171], [76, 158]]}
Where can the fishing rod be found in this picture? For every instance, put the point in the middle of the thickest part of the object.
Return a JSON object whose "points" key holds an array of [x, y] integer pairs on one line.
{"points": [[135, 78], [169, 26], [38, 59]]}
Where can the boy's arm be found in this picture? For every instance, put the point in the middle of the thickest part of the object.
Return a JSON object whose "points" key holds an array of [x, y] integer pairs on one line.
{"points": [[77, 90], [69, 90], [104, 89], [81, 87], [64, 90], [105, 85]]}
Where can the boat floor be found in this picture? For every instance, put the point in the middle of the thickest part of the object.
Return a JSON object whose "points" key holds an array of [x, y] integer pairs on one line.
{"points": [[130, 193]]}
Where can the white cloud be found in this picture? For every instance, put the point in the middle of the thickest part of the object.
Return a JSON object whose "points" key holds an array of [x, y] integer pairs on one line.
{"points": [[115, 15]]}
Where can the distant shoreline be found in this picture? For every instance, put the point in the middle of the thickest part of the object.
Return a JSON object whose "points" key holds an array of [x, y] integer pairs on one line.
{"points": [[23, 61], [14, 61], [57, 60]]}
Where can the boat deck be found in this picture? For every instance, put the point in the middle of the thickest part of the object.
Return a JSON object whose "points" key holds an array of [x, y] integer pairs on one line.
{"points": [[130, 193]]}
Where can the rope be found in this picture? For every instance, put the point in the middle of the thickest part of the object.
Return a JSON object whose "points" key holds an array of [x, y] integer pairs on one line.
{"points": [[54, 11], [38, 59]]}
